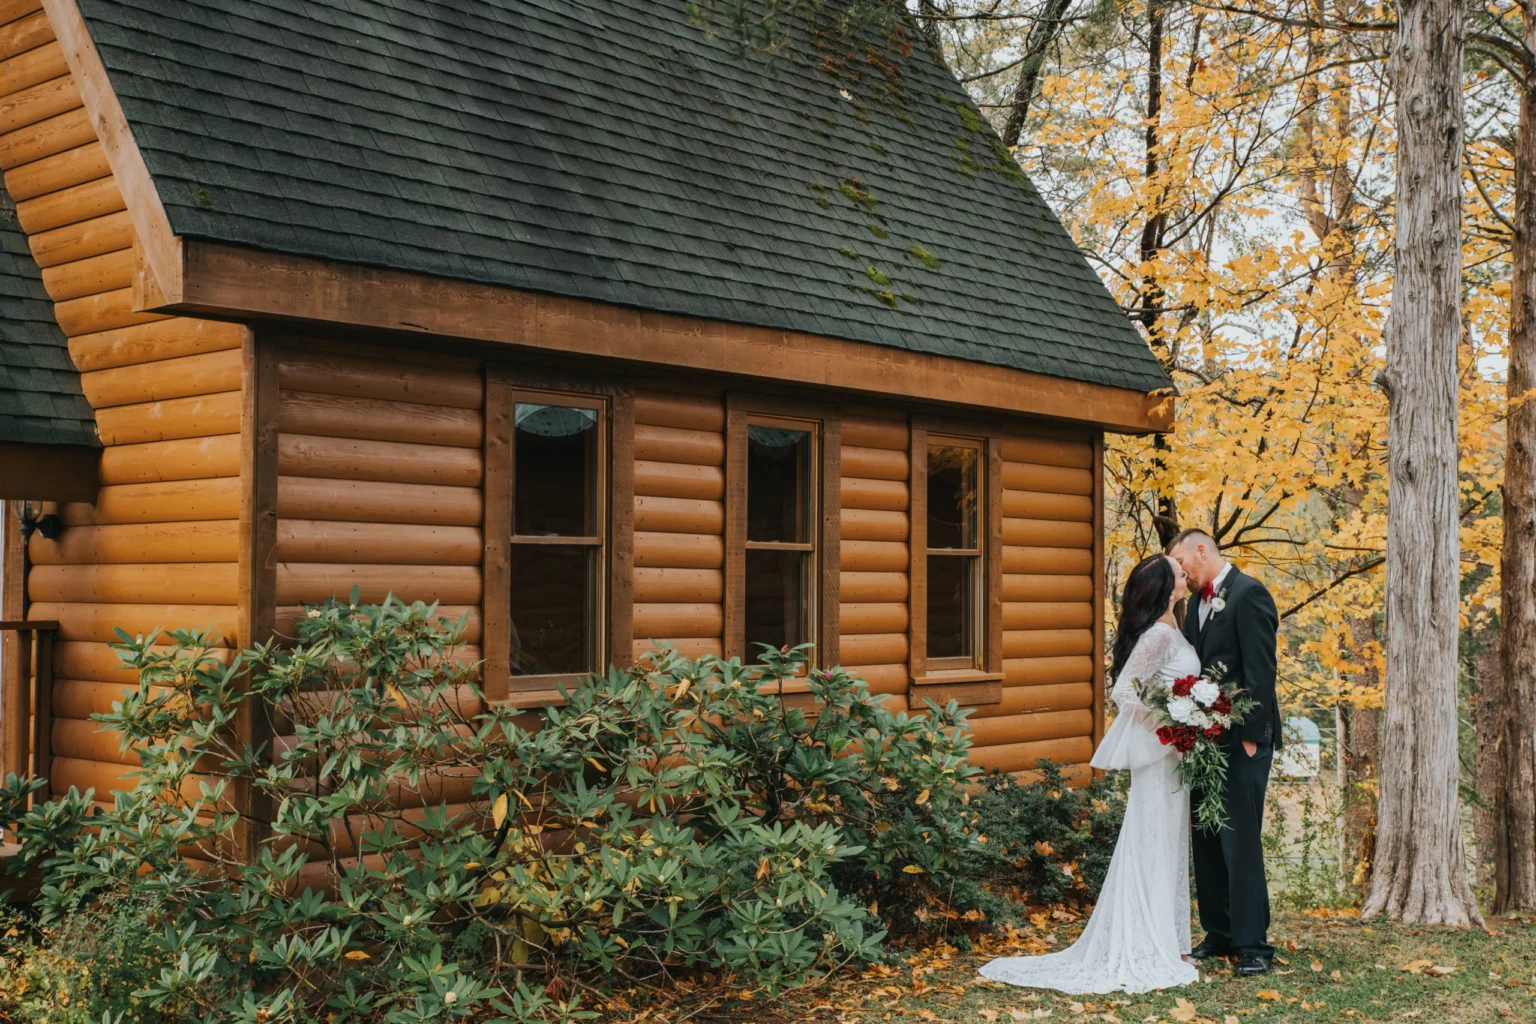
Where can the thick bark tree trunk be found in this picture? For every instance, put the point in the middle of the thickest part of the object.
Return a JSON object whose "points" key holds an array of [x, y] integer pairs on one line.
{"points": [[1514, 697], [1421, 871]]}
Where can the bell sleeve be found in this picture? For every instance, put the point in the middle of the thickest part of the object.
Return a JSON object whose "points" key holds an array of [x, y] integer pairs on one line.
{"points": [[1131, 741]]}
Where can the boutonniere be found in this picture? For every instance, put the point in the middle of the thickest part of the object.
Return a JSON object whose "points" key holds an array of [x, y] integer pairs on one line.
{"points": [[1219, 602]]}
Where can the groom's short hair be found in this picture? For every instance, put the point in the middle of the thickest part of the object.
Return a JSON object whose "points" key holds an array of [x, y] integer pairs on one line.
{"points": [[1194, 533]]}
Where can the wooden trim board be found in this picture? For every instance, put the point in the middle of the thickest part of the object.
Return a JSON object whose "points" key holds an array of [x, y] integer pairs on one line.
{"points": [[49, 472], [233, 282], [159, 246]]}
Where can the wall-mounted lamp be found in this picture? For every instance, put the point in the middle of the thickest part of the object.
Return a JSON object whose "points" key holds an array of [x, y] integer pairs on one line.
{"points": [[31, 517]]}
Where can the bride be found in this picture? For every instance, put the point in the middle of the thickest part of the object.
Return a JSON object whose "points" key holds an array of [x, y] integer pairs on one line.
{"points": [[1139, 932]]}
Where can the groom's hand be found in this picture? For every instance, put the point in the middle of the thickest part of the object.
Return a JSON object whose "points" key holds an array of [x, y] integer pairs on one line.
{"points": [[1252, 748]]}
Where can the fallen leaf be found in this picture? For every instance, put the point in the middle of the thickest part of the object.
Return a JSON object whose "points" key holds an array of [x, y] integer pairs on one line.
{"points": [[1183, 1010], [1441, 972], [988, 1014], [1317, 967], [1415, 966], [1076, 1007], [922, 798], [1268, 995], [1043, 848], [356, 954], [911, 869], [1336, 976], [1231, 1019]]}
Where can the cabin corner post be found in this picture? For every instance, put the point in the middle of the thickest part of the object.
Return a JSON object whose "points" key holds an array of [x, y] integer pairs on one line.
{"points": [[14, 647], [1099, 594], [257, 596]]}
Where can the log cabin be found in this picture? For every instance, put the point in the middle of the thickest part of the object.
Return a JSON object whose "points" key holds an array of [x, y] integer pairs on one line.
{"points": [[576, 316]]}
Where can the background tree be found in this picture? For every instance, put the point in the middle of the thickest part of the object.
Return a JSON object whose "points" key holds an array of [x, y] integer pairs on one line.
{"points": [[1420, 871], [1511, 705]]}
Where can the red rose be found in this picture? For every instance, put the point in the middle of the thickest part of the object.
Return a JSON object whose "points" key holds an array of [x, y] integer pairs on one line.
{"points": [[1186, 739], [1165, 735], [1214, 730], [1182, 687], [1222, 705]]}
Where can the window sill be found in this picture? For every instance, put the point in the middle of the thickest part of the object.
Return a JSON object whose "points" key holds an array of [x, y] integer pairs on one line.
{"points": [[968, 687]]}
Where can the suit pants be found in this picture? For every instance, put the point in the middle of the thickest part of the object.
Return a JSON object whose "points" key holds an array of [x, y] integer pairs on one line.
{"points": [[1231, 890]]}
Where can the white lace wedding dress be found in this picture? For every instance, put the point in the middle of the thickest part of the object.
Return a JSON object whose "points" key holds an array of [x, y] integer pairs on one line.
{"points": [[1140, 927]]}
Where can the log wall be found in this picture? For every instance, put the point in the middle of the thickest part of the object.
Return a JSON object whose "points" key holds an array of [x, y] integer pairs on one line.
{"points": [[160, 546], [380, 467], [679, 524], [873, 558], [1049, 681]]}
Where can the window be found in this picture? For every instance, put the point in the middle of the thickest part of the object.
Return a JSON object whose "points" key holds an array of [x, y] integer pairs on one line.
{"points": [[780, 557], [556, 563], [955, 576], [781, 526], [559, 507], [955, 632]]}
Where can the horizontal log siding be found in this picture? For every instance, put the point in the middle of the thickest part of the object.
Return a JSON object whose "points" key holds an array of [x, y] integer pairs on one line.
{"points": [[159, 547], [873, 592], [679, 587], [379, 481], [1047, 585]]}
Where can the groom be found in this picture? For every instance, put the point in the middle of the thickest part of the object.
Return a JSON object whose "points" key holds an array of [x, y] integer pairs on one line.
{"points": [[1231, 622]]}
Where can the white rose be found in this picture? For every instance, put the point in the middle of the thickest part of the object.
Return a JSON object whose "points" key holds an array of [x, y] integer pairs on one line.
{"points": [[1180, 708], [1205, 692], [1217, 604]]}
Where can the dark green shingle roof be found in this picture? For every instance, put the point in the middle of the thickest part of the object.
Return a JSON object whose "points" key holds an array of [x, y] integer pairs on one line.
{"points": [[613, 150], [40, 399]]}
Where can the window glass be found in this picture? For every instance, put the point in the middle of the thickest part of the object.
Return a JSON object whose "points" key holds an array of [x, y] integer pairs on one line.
{"points": [[954, 554], [775, 604], [952, 496], [780, 557], [552, 620], [778, 461], [951, 606], [553, 471], [556, 582]]}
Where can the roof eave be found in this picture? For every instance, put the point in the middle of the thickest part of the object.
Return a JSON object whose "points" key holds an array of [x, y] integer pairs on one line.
{"points": [[222, 281]]}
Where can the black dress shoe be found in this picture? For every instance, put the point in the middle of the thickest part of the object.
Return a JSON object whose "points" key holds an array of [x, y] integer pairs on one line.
{"points": [[1206, 950], [1251, 965]]}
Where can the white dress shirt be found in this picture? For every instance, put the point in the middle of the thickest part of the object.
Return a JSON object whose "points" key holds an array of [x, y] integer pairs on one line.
{"points": [[1205, 606]]}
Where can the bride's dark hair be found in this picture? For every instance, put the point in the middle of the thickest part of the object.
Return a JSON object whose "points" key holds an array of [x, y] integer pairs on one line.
{"points": [[1147, 590]]}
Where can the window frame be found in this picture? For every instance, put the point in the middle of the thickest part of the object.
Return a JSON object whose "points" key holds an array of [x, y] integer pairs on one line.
{"points": [[612, 604], [979, 681], [825, 522]]}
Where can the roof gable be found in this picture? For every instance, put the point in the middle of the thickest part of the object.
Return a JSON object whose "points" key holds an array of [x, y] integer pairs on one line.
{"points": [[611, 150], [40, 397]]}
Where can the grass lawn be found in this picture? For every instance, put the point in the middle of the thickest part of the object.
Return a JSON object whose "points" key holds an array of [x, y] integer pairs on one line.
{"points": [[1331, 968]]}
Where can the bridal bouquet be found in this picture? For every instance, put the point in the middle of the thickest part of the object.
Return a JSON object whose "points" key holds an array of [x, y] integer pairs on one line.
{"points": [[1193, 715]]}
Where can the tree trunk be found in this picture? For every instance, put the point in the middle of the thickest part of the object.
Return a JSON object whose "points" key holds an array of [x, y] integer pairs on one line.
{"points": [[1488, 668], [1361, 735], [1514, 698], [1042, 33], [1421, 871]]}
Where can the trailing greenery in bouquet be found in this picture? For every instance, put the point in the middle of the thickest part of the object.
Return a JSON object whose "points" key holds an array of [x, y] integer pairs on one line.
{"points": [[1194, 715]]}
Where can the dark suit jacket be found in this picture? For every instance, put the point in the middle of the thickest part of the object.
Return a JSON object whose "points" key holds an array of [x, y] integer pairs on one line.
{"points": [[1241, 638]]}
